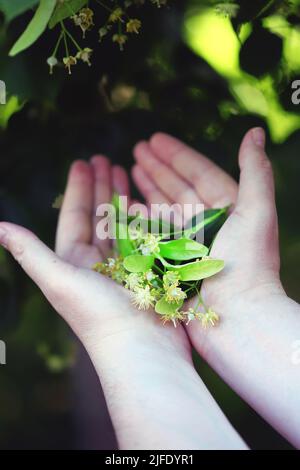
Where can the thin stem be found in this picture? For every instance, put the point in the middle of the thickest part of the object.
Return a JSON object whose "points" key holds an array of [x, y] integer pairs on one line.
{"points": [[104, 6], [190, 288], [200, 301], [71, 37], [66, 44], [57, 44], [265, 8], [197, 305], [158, 269]]}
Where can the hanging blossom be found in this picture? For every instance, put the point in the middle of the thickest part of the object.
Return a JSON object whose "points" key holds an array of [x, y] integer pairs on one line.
{"points": [[84, 19], [69, 62]]}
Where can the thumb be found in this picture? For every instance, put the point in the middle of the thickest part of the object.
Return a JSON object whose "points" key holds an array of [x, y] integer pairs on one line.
{"points": [[256, 189], [46, 269], [77, 294], [256, 198]]}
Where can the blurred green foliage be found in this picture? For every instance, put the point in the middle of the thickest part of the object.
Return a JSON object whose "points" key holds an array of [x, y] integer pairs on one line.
{"points": [[204, 71]]}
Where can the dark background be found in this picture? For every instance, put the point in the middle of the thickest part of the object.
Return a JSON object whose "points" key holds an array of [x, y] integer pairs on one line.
{"points": [[49, 397]]}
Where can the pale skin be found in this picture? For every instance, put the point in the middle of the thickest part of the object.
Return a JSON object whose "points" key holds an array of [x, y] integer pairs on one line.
{"points": [[252, 348], [145, 367], [154, 395]]}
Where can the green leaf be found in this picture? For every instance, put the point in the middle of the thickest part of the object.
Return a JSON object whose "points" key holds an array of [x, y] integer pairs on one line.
{"points": [[214, 224], [35, 28], [210, 216], [199, 269], [138, 263], [195, 271], [65, 10], [162, 307], [14, 8], [124, 245], [182, 249]]}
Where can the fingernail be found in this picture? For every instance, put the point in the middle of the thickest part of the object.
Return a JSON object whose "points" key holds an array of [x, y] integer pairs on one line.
{"points": [[3, 237], [259, 137]]}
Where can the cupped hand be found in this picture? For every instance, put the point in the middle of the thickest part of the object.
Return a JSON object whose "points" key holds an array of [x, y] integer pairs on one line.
{"points": [[94, 306], [155, 397], [253, 347], [169, 171]]}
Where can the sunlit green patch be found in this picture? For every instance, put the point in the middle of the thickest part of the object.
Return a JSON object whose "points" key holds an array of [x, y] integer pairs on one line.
{"points": [[212, 37]]}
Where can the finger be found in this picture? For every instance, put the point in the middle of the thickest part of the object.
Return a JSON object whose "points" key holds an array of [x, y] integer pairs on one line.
{"points": [[102, 195], [46, 269], [64, 285], [256, 192], [170, 183], [120, 181], [159, 206], [149, 190], [122, 187], [256, 199], [74, 225], [212, 184], [147, 187]]}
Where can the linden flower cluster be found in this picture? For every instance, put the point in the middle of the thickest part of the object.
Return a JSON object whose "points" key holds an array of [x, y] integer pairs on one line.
{"points": [[113, 268], [149, 244], [147, 288], [173, 293], [155, 288], [118, 22], [69, 60]]}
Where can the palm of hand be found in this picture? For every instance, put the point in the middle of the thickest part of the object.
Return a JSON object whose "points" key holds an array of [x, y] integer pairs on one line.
{"points": [[170, 172], [90, 185]]}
